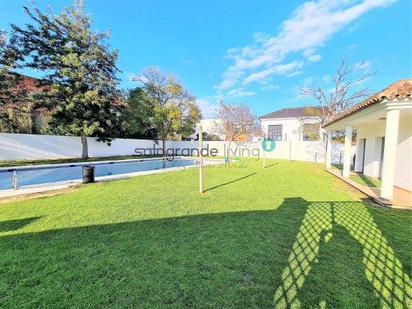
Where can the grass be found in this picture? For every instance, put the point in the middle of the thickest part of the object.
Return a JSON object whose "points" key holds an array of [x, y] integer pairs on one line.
{"points": [[361, 178], [366, 180], [290, 234]]}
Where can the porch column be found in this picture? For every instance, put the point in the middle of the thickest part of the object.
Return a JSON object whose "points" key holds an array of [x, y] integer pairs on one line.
{"points": [[328, 158], [389, 156], [347, 151], [359, 154]]}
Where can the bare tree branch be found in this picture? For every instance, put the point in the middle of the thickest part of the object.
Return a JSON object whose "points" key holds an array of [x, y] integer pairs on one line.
{"points": [[237, 120], [346, 91]]}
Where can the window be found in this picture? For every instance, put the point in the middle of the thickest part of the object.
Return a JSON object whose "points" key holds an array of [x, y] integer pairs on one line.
{"points": [[311, 132], [275, 132]]}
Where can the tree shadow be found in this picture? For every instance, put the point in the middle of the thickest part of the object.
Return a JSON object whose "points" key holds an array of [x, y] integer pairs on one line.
{"points": [[230, 182], [366, 180], [381, 267], [234, 259], [270, 165], [12, 225], [339, 166], [334, 279], [220, 259]]}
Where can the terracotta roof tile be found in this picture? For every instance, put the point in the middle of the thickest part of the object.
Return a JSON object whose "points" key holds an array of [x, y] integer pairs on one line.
{"points": [[32, 84], [294, 112], [400, 90]]}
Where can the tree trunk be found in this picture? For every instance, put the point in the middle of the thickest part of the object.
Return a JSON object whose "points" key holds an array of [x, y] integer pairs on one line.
{"points": [[230, 147], [31, 120], [85, 150], [164, 145]]}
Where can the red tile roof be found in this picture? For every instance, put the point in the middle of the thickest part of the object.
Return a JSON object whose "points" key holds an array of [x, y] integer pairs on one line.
{"points": [[400, 90], [32, 84], [36, 85], [23, 85], [294, 112]]}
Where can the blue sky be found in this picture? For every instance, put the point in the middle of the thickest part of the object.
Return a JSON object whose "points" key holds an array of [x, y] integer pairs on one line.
{"points": [[255, 52]]}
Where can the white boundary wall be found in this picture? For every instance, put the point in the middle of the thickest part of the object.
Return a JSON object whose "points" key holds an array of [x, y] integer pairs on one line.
{"points": [[32, 147]]}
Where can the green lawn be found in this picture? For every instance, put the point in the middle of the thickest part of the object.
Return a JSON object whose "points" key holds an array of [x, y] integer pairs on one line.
{"points": [[291, 234], [360, 178], [366, 180]]}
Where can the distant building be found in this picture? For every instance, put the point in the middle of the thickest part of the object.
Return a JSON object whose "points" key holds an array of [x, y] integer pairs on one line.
{"points": [[39, 115], [292, 124], [211, 127], [29, 86]]}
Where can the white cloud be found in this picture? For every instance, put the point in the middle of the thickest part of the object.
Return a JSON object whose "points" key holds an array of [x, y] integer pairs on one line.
{"points": [[208, 106], [326, 78], [296, 73], [239, 92], [136, 78], [288, 68], [308, 29], [230, 77], [311, 56], [314, 58], [270, 87]]}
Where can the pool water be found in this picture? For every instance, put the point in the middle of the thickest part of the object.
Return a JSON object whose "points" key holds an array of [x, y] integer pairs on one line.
{"points": [[48, 174]]}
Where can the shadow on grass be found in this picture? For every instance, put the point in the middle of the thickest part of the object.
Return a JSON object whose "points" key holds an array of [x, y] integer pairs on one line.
{"points": [[339, 166], [382, 268], [220, 259], [239, 259], [230, 182], [12, 225], [270, 165], [366, 180]]}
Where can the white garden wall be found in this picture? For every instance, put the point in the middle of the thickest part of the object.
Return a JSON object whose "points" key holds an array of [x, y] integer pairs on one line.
{"points": [[31, 147]]}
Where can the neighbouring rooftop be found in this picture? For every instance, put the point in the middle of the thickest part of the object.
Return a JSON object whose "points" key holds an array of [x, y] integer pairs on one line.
{"points": [[292, 112]]}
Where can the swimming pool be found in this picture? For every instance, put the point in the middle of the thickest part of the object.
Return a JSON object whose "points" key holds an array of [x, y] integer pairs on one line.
{"points": [[42, 174]]}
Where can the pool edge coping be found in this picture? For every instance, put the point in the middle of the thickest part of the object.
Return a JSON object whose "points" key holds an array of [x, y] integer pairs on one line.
{"points": [[52, 186]]}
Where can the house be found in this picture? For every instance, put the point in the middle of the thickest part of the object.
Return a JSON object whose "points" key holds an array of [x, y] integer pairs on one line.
{"points": [[384, 138], [211, 127], [32, 119], [292, 124]]}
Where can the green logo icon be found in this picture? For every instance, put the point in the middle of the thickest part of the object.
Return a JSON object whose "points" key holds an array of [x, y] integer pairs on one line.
{"points": [[268, 144]]}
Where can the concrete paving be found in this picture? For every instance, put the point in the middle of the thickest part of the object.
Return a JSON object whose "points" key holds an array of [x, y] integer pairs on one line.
{"points": [[402, 198]]}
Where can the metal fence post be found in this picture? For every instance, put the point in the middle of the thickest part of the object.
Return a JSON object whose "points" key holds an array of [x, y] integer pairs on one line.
{"points": [[200, 159], [14, 180]]}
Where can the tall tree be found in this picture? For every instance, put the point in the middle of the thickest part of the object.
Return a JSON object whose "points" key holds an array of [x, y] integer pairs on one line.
{"points": [[174, 109], [84, 95], [347, 90], [138, 115]]}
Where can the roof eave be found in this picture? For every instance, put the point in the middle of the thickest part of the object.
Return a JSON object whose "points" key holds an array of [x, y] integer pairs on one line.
{"points": [[337, 124]]}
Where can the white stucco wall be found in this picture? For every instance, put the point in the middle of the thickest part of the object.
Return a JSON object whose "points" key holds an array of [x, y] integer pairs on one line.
{"points": [[403, 168], [292, 127], [373, 134], [32, 147]]}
